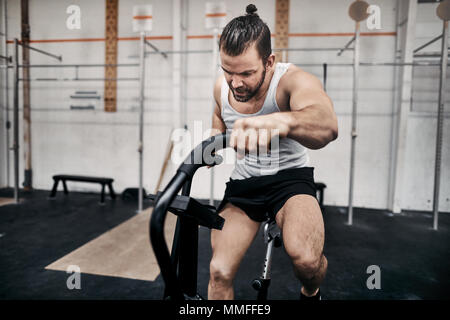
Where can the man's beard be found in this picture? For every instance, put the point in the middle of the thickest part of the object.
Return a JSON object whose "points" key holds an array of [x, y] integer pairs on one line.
{"points": [[249, 94]]}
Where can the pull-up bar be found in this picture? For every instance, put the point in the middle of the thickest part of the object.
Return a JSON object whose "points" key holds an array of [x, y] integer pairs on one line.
{"points": [[372, 64], [165, 53], [78, 65], [15, 146]]}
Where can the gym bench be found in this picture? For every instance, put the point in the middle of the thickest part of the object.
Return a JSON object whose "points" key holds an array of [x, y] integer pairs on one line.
{"points": [[102, 181], [320, 186]]}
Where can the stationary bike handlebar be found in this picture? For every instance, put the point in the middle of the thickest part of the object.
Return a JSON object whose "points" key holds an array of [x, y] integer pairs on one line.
{"points": [[200, 156]]}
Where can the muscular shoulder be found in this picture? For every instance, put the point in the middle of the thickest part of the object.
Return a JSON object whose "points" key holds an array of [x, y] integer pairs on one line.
{"points": [[299, 84], [297, 78]]}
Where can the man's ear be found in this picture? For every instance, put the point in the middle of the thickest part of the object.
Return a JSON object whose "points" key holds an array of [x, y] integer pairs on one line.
{"points": [[270, 61]]}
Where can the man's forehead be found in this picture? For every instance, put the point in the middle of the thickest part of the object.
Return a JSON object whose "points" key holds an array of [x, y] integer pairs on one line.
{"points": [[244, 62]]}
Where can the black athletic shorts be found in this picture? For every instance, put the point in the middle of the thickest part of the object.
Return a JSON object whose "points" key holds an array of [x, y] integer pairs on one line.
{"points": [[263, 196]]}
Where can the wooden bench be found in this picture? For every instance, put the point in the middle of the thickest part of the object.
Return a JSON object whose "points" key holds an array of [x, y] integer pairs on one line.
{"points": [[102, 181], [320, 186]]}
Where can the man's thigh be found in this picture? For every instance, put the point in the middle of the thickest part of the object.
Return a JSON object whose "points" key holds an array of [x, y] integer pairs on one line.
{"points": [[301, 222], [230, 244]]}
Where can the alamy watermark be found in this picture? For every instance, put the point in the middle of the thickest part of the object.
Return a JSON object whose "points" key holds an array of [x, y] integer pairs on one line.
{"points": [[374, 281], [374, 19], [73, 22], [74, 280]]}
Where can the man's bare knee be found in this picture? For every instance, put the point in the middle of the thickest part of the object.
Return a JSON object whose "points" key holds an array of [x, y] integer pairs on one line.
{"points": [[220, 274], [308, 265]]}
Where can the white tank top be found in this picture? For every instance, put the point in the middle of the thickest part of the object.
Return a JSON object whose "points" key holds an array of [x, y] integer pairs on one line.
{"points": [[288, 154]]}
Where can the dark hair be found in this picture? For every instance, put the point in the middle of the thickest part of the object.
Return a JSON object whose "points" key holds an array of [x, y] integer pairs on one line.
{"points": [[244, 30]]}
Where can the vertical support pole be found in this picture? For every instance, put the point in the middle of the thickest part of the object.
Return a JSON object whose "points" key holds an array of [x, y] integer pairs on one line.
{"points": [[395, 108], [110, 95], [6, 54], [188, 250], [440, 120], [142, 22], [16, 121], [215, 50], [354, 116], [141, 116], [184, 63], [25, 27], [281, 29], [176, 62]]}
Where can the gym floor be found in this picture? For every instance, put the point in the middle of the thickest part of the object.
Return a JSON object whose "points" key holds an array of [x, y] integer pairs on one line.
{"points": [[38, 232]]}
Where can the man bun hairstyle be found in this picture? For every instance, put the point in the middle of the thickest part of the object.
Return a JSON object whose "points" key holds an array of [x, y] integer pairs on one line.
{"points": [[243, 31], [251, 8]]}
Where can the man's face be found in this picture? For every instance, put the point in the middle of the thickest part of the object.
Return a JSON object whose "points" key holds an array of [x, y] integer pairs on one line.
{"points": [[244, 73]]}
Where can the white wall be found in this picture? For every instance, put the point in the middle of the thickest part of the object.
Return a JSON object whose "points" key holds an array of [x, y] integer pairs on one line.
{"points": [[375, 99], [422, 123], [105, 144], [94, 142]]}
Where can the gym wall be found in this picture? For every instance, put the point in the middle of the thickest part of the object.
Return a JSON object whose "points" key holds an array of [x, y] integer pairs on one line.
{"points": [[94, 142], [422, 122]]}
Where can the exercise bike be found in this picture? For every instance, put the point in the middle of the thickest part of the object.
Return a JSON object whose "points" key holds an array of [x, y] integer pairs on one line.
{"points": [[179, 269]]}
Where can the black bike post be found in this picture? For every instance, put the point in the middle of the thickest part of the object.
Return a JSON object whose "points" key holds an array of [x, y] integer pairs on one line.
{"points": [[188, 250], [174, 254], [179, 269], [264, 290]]}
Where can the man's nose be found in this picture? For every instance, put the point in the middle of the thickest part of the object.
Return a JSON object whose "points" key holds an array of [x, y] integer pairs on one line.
{"points": [[236, 82]]}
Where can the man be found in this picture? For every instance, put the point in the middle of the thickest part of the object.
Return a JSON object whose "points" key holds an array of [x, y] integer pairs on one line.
{"points": [[260, 101]]}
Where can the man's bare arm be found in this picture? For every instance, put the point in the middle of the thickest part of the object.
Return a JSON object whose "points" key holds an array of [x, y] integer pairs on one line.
{"points": [[218, 126], [312, 120]]}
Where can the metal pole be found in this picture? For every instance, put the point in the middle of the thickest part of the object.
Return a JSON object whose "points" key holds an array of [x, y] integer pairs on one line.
{"points": [[209, 51], [214, 73], [346, 46], [141, 116], [5, 28], [442, 86], [372, 64], [185, 64], [395, 109], [393, 64], [156, 49], [41, 51], [16, 121], [428, 55], [427, 44], [354, 113], [26, 100], [178, 52], [79, 65], [81, 79], [309, 49]]}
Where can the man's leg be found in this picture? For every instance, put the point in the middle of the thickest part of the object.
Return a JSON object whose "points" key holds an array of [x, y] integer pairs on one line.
{"points": [[301, 222], [228, 247]]}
